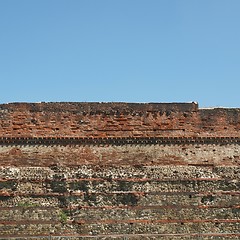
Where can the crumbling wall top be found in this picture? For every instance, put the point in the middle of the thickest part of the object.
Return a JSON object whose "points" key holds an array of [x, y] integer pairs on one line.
{"points": [[100, 107]]}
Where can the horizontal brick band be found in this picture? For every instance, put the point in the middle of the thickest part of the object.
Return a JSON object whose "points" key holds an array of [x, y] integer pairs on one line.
{"points": [[130, 221], [122, 236]]}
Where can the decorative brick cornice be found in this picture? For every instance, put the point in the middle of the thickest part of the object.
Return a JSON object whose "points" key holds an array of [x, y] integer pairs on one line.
{"points": [[117, 141]]}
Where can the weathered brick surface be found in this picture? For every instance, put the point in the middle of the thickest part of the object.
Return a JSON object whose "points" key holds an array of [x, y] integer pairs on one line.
{"points": [[119, 170], [116, 120], [123, 154]]}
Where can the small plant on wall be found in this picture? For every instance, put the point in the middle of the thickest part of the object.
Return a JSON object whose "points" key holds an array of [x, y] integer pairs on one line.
{"points": [[63, 216]]}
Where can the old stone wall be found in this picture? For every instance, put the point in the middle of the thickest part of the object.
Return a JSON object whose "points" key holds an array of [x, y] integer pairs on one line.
{"points": [[119, 171]]}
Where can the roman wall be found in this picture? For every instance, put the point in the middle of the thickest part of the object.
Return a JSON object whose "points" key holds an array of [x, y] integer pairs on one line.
{"points": [[119, 171]]}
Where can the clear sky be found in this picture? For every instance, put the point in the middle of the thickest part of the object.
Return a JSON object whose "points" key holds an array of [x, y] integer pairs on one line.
{"points": [[120, 50]]}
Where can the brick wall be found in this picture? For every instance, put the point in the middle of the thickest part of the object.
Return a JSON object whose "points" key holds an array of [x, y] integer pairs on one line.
{"points": [[119, 171], [98, 120]]}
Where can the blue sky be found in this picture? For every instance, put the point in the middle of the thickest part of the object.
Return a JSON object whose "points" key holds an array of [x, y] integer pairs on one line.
{"points": [[120, 50]]}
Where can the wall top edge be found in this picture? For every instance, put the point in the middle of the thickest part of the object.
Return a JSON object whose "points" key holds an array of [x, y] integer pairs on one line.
{"points": [[111, 107], [99, 107]]}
